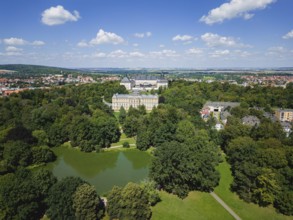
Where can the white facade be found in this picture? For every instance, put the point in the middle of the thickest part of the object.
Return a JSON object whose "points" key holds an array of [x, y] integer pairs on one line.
{"points": [[134, 100], [143, 83]]}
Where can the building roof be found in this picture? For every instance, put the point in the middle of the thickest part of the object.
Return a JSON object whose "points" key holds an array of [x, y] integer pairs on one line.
{"points": [[146, 77], [125, 80], [224, 115], [251, 120], [286, 125], [135, 95], [284, 110], [223, 104]]}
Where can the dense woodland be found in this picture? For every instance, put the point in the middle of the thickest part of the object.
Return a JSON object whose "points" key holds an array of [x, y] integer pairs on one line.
{"points": [[24, 71], [186, 149]]}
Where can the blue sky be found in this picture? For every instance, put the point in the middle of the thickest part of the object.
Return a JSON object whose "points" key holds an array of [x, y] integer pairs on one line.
{"points": [[147, 33]]}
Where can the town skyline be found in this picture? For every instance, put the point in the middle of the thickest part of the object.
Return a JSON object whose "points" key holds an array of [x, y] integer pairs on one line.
{"points": [[147, 34]]}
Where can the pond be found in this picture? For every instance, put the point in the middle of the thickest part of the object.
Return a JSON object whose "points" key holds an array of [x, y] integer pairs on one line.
{"points": [[103, 170]]}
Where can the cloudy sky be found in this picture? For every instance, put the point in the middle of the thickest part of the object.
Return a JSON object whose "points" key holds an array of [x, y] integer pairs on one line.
{"points": [[147, 33]]}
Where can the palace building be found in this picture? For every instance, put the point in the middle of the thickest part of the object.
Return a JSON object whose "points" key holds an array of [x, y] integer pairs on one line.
{"points": [[134, 100], [144, 82]]}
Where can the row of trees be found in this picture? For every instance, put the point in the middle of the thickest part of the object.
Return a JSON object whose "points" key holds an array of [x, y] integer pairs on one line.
{"points": [[261, 160], [30, 195], [185, 157], [71, 113]]}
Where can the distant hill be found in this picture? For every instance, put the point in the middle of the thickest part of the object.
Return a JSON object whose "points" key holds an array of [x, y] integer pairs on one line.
{"points": [[22, 69]]}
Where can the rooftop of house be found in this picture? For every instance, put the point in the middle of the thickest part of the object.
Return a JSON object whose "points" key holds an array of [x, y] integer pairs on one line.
{"points": [[135, 95], [284, 110], [125, 80], [251, 120], [286, 125], [222, 104]]}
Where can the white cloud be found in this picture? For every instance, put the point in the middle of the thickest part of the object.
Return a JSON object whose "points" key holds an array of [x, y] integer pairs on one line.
{"points": [[215, 40], [278, 52], [14, 41], [106, 38], [142, 35], [139, 35], [161, 45], [118, 54], [136, 54], [182, 38], [58, 15], [99, 55], [242, 53], [233, 9], [195, 51], [219, 53], [289, 35], [135, 45], [82, 44], [12, 49], [164, 53], [148, 34], [38, 43]]}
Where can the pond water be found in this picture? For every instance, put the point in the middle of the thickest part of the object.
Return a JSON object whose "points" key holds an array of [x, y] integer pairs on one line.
{"points": [[103, 170]]}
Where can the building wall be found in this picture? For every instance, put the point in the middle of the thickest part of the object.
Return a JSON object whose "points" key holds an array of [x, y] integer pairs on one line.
{"points": [[127, 85], [134, 101], [135, 84], [284, 115], [145, 82]]}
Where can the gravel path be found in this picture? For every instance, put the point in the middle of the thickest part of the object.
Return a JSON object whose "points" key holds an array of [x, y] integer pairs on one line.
{"points": [[219, 200]]}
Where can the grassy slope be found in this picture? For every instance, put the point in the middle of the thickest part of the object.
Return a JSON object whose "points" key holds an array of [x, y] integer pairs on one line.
{"points": [[197, 205], [244, 210], [123, 139]]}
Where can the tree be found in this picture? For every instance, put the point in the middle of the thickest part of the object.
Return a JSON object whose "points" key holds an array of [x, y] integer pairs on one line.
{"points": [[122, 115], [143, 140], [17, 153], [60, 199], [131, 125], [185, 131], [22, 195], [267, 187], [179, 168], [130, 202], [41, 136], [284, 202], [126, 144], [150, 188], [87, 203], [42, 155]]}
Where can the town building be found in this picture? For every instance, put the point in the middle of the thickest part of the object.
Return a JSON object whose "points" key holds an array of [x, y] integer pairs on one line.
{"points": [[144, 82], [216, 109], [284, 115], [287, 127], [134, 100], [250, 120]]}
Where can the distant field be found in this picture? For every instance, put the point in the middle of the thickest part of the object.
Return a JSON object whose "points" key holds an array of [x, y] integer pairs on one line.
{"points": [[197, 205], [244, 210]]}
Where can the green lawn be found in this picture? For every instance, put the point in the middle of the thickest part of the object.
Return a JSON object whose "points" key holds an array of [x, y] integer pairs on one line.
{"points": [[197, 205], [123, 139], [245, 210]]}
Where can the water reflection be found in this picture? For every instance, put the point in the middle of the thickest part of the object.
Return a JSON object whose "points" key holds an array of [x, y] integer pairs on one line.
{"points": [[103, 170]]}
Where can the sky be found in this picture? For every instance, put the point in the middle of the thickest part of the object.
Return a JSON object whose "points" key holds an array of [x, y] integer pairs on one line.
{"points": [[147, 33]]}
